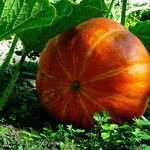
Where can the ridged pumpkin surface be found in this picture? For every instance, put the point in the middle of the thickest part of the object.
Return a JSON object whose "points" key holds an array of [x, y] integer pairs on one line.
{"points": [[97, 66]]}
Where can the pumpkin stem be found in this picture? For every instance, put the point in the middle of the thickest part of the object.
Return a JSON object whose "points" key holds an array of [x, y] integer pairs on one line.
{"points": [[75, 85]]}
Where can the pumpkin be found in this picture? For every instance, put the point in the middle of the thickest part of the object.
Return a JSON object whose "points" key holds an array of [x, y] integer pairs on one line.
{"points": [[94, 67]]}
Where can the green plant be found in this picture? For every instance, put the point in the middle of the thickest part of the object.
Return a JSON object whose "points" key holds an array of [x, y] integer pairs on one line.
{"points": [[125, 135], [103, 135]]}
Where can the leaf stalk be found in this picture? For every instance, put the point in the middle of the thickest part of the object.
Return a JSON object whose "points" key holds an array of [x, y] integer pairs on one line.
{"points": [[123, 13], [11, 83], [9, 55]]}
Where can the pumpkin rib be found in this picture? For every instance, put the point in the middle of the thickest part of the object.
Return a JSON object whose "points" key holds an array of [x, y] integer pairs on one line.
{"points": [[66, 104], [122, 96], [140, 82], [129, 96], [51, 92], [108, 35], [44, 74], [84, 107], [65, 91], [75, 61], [112, 73], [83, 68], [86, 94], [119, 104], [89, 89], [62, 64]]}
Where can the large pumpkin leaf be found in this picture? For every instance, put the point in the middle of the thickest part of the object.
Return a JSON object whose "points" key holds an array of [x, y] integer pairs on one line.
{"points": [[20, 15], [68, 15], [95, 3], [142, 31], [64, 7]]}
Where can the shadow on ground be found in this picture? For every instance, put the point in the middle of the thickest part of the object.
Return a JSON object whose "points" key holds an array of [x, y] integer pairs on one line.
{"points": [[23, 108]]}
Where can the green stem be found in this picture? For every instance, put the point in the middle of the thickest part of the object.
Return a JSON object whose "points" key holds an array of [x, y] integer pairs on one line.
{"points": [[9, 55], [110, 8], [123, 13], [11, 84]]}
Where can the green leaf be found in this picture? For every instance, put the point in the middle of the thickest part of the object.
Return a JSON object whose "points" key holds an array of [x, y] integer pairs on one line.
{"points": [[142, 31], [145, 147], [62, 146], [20, 15], [114, 126], [79, 131], [4, 130], [20, 147], [30, 134], [68, 17], [97, 117], [105, 135], [64, 8], [100, 4], [137, 132], [109, 126], [145, 136], [125, 126], [142, 121]]}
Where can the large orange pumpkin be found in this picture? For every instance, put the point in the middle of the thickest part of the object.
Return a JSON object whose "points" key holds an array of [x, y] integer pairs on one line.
{"points": [[97, 66]]}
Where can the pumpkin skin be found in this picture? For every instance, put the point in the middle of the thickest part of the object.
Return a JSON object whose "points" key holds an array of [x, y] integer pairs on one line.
{"points": [[97, 66]]}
